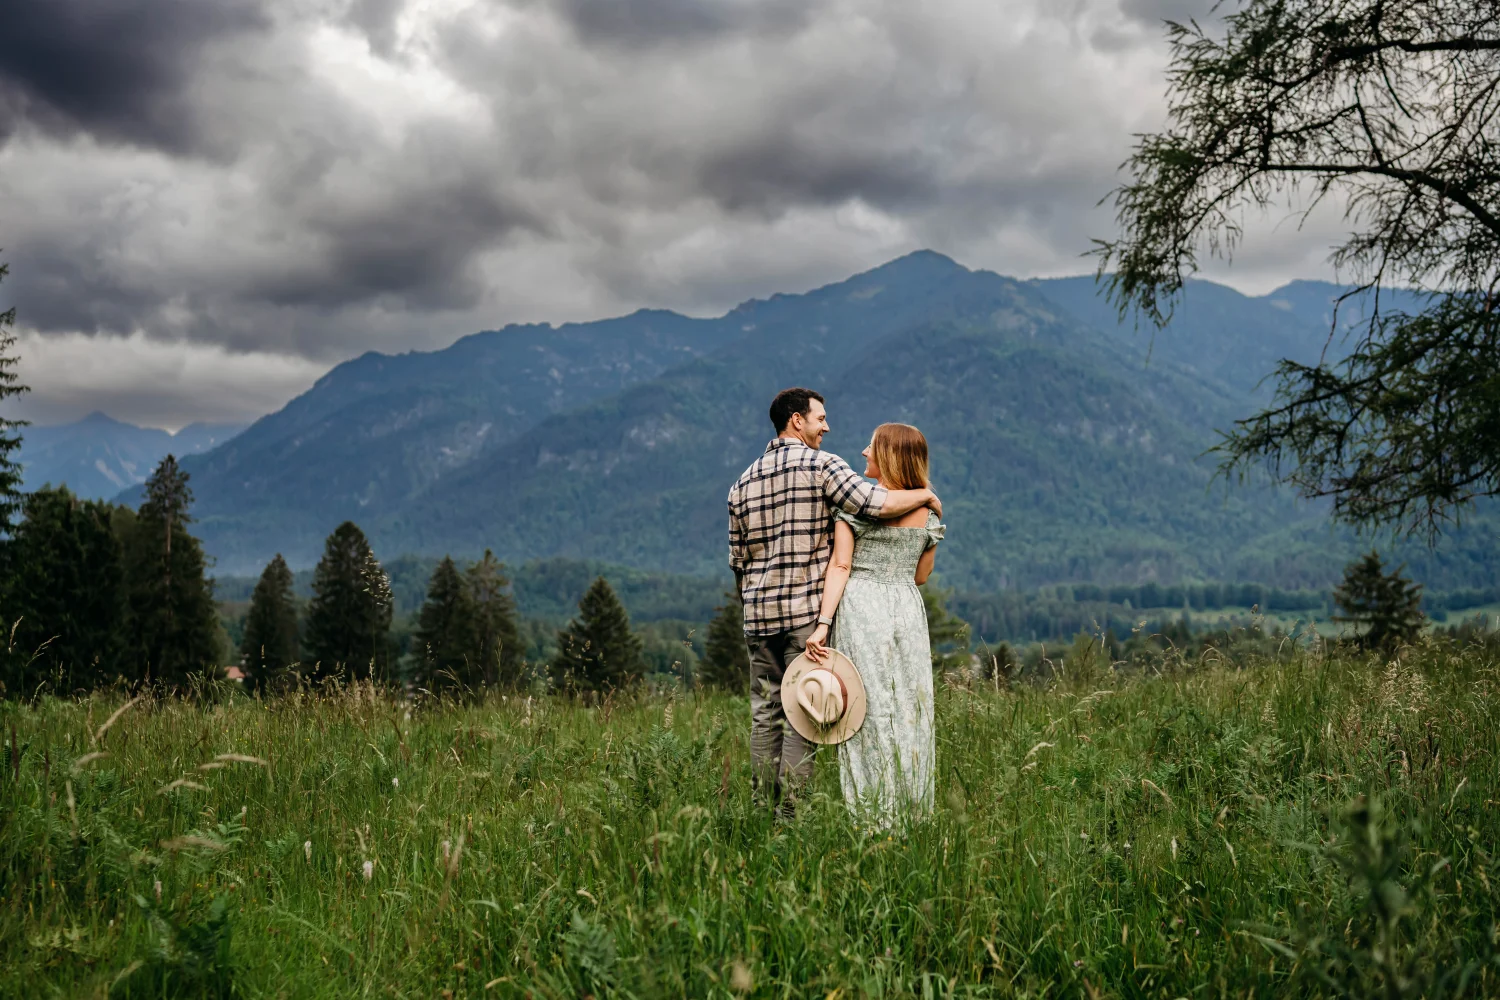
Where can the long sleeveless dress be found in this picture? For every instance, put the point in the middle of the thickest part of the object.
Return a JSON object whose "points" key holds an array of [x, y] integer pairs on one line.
{"points": [[886, 769]]}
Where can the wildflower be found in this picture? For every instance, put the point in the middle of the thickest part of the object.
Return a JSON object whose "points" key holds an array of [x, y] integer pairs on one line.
{"points": [[395, 782], [740, 980], [158, 890], [369, 870], [307, 850]]}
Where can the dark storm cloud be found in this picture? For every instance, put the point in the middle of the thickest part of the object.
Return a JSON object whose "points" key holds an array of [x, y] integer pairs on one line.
{"points": [[1154, 12], [116, 69], [298, 181], [653, 22]]}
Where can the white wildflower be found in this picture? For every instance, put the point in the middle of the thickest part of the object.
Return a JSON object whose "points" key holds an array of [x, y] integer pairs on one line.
{"points": [[369, 870], [307, 850], [158, 890]]}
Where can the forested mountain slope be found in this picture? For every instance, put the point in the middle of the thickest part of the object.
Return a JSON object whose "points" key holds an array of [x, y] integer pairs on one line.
{"points": [[1067, 445]]}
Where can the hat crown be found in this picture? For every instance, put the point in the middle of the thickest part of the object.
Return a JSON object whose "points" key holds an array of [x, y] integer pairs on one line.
{"points": [[820, 693]]}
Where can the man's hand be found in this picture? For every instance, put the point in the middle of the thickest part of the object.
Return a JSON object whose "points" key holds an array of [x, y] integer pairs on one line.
{"points": [[936, 505]]}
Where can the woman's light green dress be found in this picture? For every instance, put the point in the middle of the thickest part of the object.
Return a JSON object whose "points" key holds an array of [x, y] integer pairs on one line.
{"points": [[886, 769]]}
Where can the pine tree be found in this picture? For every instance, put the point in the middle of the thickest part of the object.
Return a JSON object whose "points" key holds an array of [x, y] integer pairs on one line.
{"points": [[947, 633], [446, 633], [10, 430], [598, 651], [349, 618], [173, 628], [497, 636], [65, 596], [726, 660], [1387, 605], [270, 645]]}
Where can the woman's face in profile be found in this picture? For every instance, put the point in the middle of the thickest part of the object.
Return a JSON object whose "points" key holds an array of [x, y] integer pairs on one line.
{"points": [[872, 471]]}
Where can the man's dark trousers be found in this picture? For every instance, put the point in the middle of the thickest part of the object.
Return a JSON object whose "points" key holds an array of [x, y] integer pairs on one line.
{"points": [[780, 759]]}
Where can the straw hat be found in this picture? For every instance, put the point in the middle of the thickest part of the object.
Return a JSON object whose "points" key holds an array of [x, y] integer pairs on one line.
{"points": [[825, 702]]}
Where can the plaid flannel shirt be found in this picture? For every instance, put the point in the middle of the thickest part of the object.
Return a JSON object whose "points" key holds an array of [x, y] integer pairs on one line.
{"points": [[781, 530]]}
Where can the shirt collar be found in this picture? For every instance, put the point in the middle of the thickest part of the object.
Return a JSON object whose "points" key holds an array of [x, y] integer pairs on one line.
{"points": [[781, 442]]}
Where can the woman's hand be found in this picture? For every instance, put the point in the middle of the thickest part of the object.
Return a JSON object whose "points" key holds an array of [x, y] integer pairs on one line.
{"points": [[817, 644]]}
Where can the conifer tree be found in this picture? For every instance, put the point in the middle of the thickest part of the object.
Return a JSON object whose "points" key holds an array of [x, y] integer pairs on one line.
{"points": [[1387, 605], [497, 636], [349, 618], [270, 645], [173, 630], [726, 659], [948, 633], [446, 633], [598, 651], [10, 430], [65, 595]]}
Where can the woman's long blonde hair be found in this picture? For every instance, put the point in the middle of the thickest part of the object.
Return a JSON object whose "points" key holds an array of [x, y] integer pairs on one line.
{"points": [[900, 453]]}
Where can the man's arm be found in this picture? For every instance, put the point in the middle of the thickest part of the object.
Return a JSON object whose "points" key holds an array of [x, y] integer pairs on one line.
{"points": [[853, 494], [898, 502], [738, 554]]}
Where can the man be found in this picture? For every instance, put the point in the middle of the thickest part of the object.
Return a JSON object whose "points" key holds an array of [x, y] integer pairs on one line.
{"points": [[780, 536]]}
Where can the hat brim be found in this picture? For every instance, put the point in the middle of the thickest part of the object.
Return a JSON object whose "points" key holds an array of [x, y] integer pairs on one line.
{"points": [[854, 704]]}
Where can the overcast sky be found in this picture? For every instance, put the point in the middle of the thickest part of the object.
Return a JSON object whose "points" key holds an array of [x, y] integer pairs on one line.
{"points": [[207, 203]]}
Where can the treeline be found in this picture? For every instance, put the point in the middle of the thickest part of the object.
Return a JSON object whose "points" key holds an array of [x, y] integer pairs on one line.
{"points": [[94, 591], [101, 594], [1065, 610], [545, 589]]}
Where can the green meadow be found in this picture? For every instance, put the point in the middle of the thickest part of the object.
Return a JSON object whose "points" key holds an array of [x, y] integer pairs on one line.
{"points": [[1306, 822]]}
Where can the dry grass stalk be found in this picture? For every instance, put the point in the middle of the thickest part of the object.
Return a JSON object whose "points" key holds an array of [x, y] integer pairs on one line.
{"points": [[99, 735]]}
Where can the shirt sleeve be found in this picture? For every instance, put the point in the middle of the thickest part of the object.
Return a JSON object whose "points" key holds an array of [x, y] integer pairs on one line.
{"points": [[850, 492], [738, 552]]}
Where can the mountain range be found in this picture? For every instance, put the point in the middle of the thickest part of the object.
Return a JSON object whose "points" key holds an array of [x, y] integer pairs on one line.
{"points": [[98, 456], [1067, 444]]}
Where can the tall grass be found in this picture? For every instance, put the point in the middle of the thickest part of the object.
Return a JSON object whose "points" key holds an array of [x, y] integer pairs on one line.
{"points": [[1296, 825]]}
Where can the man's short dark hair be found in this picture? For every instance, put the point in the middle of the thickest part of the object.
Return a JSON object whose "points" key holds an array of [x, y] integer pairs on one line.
{"points": [[788, 402]]}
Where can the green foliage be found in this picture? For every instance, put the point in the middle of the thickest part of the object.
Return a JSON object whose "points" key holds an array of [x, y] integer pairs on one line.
{"points": [[173, 632], [726, 658], [948, 634], [597, 651], [64, 595], [1386, 606], [1384, 105], [10, 430], [349, 617], [1153, 835], [271, 645], [192, 957], [498, 653], [446, 638]]}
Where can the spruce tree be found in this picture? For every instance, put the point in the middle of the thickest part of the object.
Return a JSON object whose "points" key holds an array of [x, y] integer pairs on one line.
{"points": [[947, 633], [65, 598], [726, 659], [173, 629], [598, 651], [349, 617], [1387, 606], [10, 430], [270, 645], [446, 633], [497, 637]]}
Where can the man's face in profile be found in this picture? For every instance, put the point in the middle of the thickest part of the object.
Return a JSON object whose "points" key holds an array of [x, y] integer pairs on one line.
{"points": [[810, 427]]}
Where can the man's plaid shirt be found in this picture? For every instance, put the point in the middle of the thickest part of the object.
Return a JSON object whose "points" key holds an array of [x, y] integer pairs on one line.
{"points": [[781, 530]]}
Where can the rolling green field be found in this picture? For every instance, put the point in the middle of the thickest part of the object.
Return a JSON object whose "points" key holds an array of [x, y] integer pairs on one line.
{"points": [[1315, 825]]}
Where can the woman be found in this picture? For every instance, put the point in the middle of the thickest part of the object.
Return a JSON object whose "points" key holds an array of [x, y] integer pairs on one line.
{"points": [[886, 769]]}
